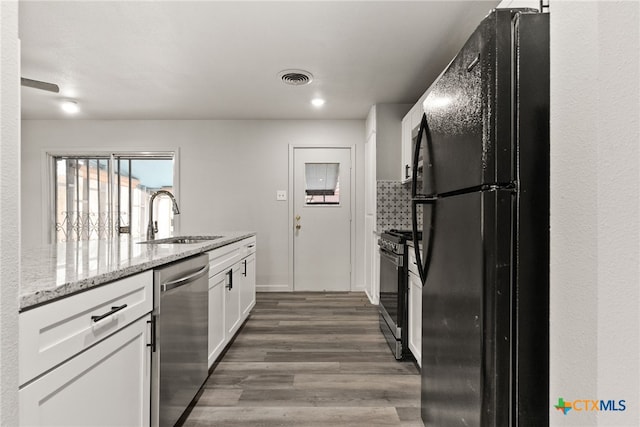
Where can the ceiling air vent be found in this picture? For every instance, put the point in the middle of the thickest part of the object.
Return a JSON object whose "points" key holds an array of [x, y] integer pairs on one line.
{"points": [[296, 77]]}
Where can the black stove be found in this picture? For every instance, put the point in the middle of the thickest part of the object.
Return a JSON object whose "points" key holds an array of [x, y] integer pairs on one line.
{"points": [[393, 289], [394, 240]]}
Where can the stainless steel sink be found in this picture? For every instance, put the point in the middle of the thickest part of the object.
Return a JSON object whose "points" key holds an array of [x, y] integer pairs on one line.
{"points": [[181, 240]]}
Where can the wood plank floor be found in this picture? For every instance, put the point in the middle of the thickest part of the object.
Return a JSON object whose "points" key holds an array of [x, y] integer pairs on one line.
{"points": [[310, 359]]}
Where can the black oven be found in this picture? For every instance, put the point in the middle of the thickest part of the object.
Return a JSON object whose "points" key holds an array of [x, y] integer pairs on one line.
{"points": [[394, 290]]}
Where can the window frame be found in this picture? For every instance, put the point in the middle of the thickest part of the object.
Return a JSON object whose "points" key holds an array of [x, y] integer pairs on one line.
{"points": [[49, 182]]}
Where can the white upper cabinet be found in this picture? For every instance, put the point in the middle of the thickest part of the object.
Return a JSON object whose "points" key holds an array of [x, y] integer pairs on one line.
{"points": [[410, 128], [388, 122], [417, 111], [406, 149]]}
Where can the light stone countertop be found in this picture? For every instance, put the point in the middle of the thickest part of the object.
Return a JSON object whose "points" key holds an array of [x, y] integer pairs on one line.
{"points": [[49, 272]]}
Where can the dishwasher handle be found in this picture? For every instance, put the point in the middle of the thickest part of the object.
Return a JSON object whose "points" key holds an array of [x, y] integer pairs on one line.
{"points": [[184, 280]]}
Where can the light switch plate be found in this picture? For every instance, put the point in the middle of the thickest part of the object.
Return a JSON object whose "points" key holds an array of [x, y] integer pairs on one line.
{"points": [[281, 195]]}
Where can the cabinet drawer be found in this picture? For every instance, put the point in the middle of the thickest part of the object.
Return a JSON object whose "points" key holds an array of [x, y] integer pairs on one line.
{"points": [[222, 258], [248, 246], [55, 332]]}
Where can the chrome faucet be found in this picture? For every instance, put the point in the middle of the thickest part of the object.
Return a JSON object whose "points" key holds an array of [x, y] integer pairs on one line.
{"points": [[152, 228]]}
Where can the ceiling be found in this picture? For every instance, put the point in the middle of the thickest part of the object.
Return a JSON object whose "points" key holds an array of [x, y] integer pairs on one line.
{"points": [[221, 59]]}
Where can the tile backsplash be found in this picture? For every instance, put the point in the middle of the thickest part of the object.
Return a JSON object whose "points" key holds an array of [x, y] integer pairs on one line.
{"points": [[393, 206]]}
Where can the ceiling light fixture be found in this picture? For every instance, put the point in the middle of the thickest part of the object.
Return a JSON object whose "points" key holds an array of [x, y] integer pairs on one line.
{"points": [[70, 106], [318, 102]]}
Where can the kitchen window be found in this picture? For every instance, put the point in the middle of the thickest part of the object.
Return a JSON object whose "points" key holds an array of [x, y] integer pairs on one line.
{"points": [[102, 196]]}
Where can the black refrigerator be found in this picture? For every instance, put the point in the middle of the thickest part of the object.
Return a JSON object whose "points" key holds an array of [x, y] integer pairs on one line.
{"points": [[484, 155]]}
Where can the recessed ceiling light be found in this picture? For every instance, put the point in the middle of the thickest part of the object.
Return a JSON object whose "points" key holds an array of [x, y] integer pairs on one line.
{"points": [[317, 102], [70, 106]]}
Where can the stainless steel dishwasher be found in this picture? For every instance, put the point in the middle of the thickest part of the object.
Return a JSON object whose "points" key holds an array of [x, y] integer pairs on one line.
{"points": [[180, 323]]}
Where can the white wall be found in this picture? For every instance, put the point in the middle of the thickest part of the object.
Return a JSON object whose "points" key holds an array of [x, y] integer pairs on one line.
{"points": [[9, 210], [534, 4], [229, 173], [595, 197]]}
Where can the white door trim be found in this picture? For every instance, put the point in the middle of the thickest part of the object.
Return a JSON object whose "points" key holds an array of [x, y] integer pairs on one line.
{"points": [[291, 209]]}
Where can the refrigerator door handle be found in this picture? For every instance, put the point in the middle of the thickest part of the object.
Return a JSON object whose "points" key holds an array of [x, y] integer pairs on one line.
{"points": [[424, 130], [423, 267]]}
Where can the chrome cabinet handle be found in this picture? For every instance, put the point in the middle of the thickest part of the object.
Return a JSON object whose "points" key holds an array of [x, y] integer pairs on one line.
{"points": [[109, 313]]}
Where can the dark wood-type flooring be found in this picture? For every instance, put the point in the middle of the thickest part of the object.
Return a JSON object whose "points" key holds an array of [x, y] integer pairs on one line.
{"points": [[310, 359]]}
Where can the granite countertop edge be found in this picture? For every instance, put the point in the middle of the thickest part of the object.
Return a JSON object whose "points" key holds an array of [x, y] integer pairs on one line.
{"points": [[43, 286]]}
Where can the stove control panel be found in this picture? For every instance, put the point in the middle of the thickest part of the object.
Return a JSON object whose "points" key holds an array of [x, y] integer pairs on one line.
{"points": [[389, 246]]}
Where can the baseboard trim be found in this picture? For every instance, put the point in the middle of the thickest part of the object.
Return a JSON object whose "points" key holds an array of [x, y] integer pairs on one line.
{"points": [[287, 288], [371, 299], [273, 288]]}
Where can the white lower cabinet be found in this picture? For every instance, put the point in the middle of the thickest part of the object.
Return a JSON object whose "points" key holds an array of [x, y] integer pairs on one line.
{"points": [[415, 317], [232, 301], [232, 292], [217, 341], [106, 385], [248, 284], [85, 360], [55, 332]]}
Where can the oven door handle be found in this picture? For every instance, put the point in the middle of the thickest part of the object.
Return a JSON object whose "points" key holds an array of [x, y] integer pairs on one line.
{"points": [[396, 260]]}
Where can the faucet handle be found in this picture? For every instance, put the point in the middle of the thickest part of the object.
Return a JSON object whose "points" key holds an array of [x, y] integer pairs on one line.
{"points": [[155, 226]]}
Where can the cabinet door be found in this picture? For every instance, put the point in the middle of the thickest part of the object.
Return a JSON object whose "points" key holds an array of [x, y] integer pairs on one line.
{"points": [[369, 248], [217, 291], [406, 148], [232, 301], [370, 157], [415, 317], [248, 285], [416, 112], [107, 385]]}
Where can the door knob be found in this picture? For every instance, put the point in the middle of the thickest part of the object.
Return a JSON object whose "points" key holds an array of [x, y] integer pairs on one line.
{"points": [[298, 226]]}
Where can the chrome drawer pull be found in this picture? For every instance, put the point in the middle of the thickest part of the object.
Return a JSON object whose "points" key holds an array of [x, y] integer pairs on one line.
{"points": [[113, 310]]}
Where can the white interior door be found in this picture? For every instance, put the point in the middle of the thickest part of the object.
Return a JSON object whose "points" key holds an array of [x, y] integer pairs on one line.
{"points": [[322, 219]]}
